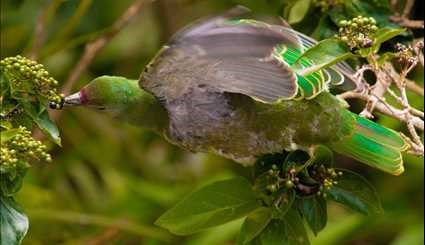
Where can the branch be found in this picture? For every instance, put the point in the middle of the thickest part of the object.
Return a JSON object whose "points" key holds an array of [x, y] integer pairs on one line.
{"points": [[40, 28], [384, 108], [100, 221], [403, 19], [94, 47]]}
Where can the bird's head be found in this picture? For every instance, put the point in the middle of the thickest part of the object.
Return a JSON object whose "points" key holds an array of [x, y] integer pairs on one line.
{"points": [[106, 93], [121, 98]]}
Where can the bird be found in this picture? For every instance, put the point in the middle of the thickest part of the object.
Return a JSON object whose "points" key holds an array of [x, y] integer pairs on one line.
{"points": [[233, 87]]}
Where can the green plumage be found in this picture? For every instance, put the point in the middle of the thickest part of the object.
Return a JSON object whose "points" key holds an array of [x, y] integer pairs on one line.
{"points": [[233, 88]]}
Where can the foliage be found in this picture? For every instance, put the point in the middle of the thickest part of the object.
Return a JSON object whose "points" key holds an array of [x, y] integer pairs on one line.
{"points": [[110, 182], [285, 191], [26, 90]]}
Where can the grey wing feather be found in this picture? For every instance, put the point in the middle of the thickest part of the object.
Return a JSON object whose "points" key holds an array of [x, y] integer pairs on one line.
{"points": [[342, 67], [239, 57]]}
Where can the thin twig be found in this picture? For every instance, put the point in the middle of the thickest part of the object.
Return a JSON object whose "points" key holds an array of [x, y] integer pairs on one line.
{"points": [[394, 112], [100, 221], [94, 47], [40, 28], [403, 19]]}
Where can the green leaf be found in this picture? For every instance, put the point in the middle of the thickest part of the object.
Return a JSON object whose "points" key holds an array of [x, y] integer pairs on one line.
{"points": [[355, 192], [11, 178], [254, 224], [212, 205], [324, 54], [314, 211], [386, 57], [8, 135], [383, 35], [288, 230], [5, 124], [298, 11], [41, 118], [14, 223], [48, 127]]}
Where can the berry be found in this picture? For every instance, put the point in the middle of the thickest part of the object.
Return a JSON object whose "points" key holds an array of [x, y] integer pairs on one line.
{"points": [[357, 32], [22, 148]]}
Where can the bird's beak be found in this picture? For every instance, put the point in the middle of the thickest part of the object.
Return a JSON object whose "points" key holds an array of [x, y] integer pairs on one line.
{"points": [[73, 99]]}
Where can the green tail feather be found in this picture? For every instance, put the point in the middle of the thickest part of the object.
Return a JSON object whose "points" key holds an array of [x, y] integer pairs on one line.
{"points": [[374, 145]]}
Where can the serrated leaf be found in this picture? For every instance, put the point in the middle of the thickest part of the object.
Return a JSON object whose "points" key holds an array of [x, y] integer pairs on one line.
{"points": [[289, 230], [254, 224], [298, 11], [14, 223], [314, 211], [210, 206], [324, 54], [355, 192]]}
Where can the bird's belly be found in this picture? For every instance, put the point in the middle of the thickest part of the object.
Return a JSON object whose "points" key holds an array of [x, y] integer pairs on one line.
{"points": [[232, 128]]}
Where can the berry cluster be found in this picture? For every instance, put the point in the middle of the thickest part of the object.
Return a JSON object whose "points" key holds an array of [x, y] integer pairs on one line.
{"points": [[326, 177], [30, 77], [406, 55], [22, 147], [278, 178], [325, 5], [357, 32]]}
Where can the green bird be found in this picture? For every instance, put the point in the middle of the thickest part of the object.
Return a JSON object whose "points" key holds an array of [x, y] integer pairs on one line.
{"points": [[236, 88]]}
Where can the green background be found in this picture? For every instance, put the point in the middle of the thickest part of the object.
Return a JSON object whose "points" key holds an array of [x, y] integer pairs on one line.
{"points": [[109, 182]]}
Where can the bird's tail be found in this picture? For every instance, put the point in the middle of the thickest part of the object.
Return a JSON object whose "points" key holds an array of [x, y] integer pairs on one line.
{"points": [[374, 145]]}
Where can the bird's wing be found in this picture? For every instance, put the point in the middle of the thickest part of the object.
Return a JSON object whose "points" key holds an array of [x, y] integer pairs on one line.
{"points": [[251, 58]]}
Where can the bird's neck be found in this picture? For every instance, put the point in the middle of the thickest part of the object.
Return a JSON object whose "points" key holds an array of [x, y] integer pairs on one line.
{"points": [[146, 112]]}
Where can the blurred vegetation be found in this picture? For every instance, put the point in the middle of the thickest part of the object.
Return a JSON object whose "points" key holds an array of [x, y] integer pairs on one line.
{"points": [[109, 182]]}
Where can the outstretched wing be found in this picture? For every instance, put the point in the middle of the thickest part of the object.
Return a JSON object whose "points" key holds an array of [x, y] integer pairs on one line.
{"points": [[238, 56]]}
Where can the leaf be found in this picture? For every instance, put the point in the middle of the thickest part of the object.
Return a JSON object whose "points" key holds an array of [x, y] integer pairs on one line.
{"points": [[383, 35], [288, 230], [286, 198], [48, 127], [324, 54], [5, 124], [8, 135], [14, 223], [298, 11], [254, 224], [11, 178], [212, 205], [355, 192], [41, 118], [386, 57], [314, 211]]}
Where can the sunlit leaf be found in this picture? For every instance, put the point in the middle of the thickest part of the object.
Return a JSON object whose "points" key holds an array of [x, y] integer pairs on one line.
{"points": [[212, 205], [298, 11], [385, 34], [8, 135], [326, 53], [14, 223]]}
